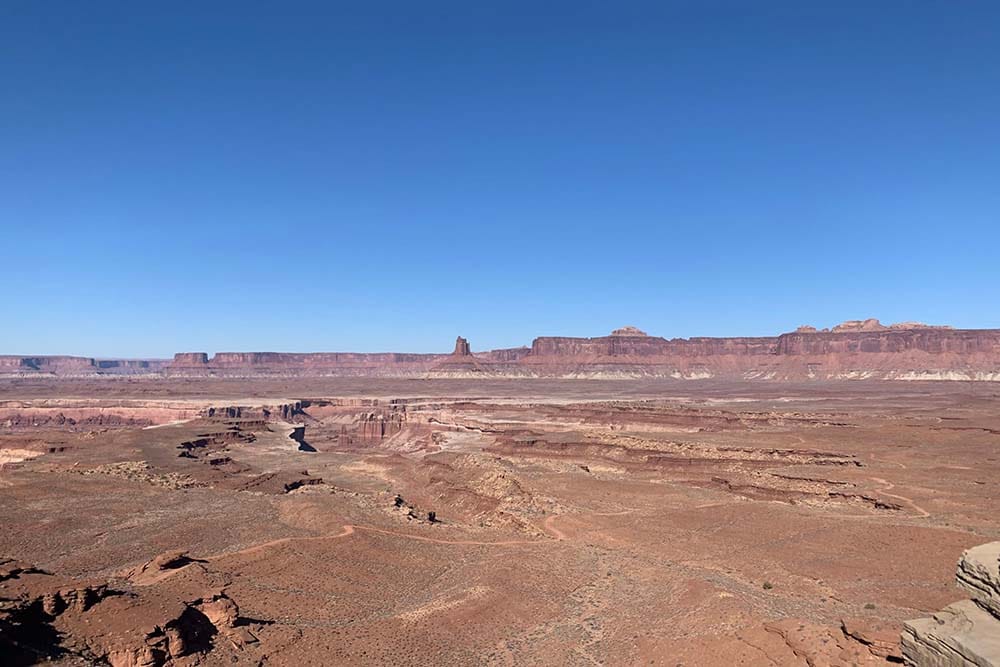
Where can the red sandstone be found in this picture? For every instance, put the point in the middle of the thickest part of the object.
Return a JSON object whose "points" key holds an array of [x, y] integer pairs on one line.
{"points": [[859, 349]]}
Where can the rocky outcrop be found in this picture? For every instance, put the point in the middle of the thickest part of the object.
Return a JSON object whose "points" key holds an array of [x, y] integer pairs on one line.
{"points": [[62, 421], [376, 426], [881, 641], [189, 360], [919, 325], [169, 609], [461, 363], [629, 331], [966, 633], [979, 574], [159, 567], [281, 412], [461, 348], [871, 324], [960, 635], [86, 414]]}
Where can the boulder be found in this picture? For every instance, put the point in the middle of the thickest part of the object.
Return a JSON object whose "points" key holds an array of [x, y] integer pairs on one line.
{"points": [[220, 610], [136, 656], [979, 574], [962, 634], [965, 633]]}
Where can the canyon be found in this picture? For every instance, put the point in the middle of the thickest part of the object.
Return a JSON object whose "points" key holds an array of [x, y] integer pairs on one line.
{"points": [[172, 520], [624, 499], [853, 350]]}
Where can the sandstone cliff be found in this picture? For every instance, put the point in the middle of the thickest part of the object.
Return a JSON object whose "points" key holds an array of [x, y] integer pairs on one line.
{"points": [[66, 365], [46, 364], [854, 350], [189, 360]]}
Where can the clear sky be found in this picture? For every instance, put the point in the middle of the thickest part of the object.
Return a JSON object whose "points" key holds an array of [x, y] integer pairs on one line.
{"points": [[387, 175]]}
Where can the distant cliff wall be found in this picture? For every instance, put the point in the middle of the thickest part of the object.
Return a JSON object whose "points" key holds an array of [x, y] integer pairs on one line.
{"points": [[932, 341], [649, 346], [66, 365], [855, 350], [853, 353], [46, 364]]}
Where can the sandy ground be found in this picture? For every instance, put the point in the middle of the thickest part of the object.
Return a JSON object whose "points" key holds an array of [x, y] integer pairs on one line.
{"points": [[576, 522]]}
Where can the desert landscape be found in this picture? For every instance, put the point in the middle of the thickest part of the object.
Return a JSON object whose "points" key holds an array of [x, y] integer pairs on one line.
{"points": [[622, 500], [500, 334]]}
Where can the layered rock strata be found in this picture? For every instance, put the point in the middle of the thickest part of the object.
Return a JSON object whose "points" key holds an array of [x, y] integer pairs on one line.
{"points": [[854, 350], [965, 633]]}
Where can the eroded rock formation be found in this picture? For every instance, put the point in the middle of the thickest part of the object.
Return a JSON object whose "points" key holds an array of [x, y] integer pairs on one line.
{"points": [[189, 360], [461, 348], [153, 621], [871, 324]]}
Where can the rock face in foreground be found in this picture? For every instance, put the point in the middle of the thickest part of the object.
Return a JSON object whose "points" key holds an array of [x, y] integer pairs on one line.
{"points": [[173, 612], [979, 574], [966, 633]]}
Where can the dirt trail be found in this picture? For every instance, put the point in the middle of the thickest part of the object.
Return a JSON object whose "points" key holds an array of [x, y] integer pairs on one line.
{"points": [[548, 526], [874, 457], [435, 540], [349, 529], [552, 530], [887, 486]]}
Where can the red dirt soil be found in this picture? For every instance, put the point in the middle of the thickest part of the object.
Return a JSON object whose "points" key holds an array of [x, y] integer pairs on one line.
{"points": [[366, 521]]}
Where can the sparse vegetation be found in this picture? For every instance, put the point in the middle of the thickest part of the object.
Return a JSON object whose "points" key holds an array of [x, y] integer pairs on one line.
{"points": [[368, 569]]}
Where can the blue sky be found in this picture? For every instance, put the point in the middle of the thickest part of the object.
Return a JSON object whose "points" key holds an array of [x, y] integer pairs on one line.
{"points": [[326, 176]]}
